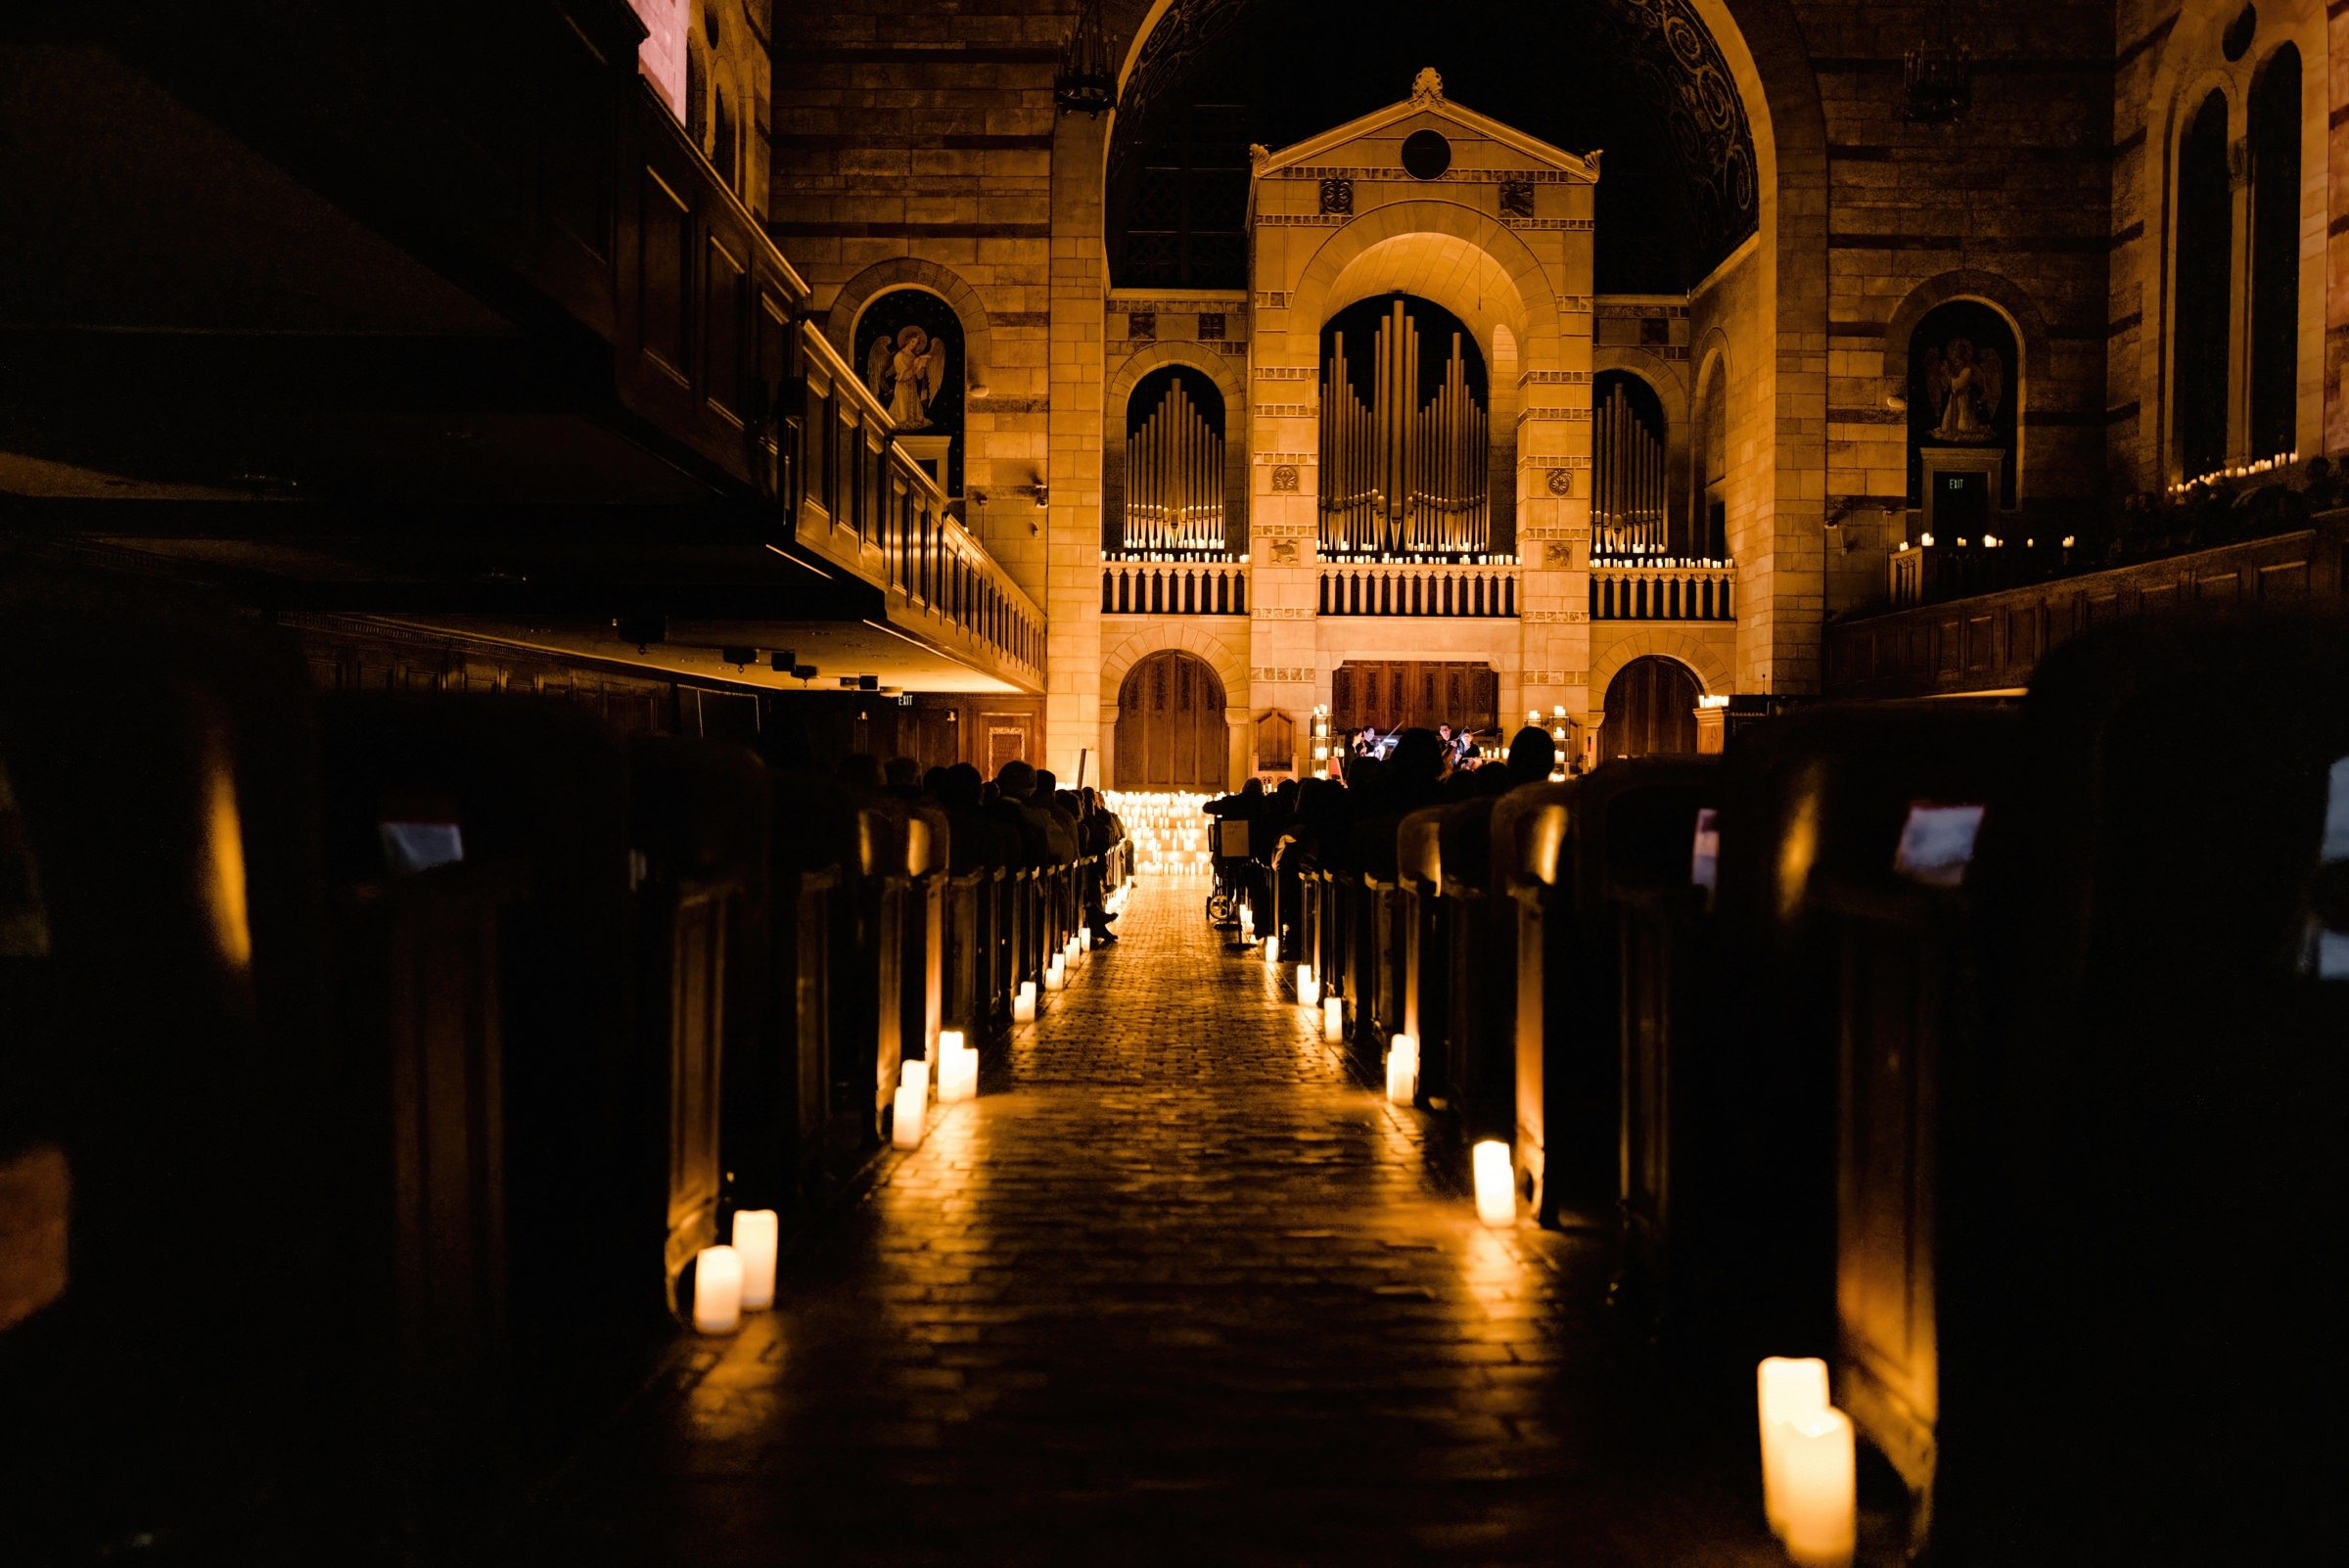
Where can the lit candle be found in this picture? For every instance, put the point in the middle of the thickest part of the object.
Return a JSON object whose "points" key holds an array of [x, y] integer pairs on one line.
{"points": [[1309, 989], [1786, 1388], [1022, 1005], [1496, 1183], [756, 1232], [958, 1077], [1403, 1070], [913, 1101], [1333, 1018], [1815, 1471], [718, 1290], [1084, 939], [1056, 973], [1271, 951]]}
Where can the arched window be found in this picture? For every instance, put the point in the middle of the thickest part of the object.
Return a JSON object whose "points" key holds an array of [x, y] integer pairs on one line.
{"points": [[723, 139], [1170, 489], [2275, 136], [1628, 439], [1709, 509], [2206, 244]]}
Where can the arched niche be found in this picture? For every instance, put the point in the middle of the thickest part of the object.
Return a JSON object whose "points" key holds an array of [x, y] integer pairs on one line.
{"points": [[1168, 476], [1966, 391], [1631, 470], [908, 347]]}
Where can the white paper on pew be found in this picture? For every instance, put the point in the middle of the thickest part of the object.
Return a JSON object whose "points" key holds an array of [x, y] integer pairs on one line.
{"points": [[1937, 843], [2333, 947], [1704, 867], [410, 846]]}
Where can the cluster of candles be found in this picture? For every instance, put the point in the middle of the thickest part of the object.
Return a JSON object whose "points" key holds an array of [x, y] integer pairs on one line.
{"points": [[2229, 471], [1168, 830], [1990, 541], [1172, 557], [1677, 562], [958, 1080], [1025, 1000], [1809, 1485], [738, 1277]]}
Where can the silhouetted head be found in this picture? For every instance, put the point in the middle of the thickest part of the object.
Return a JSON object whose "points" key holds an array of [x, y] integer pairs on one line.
{"points": [[1048, 783], [1417, 760], [862, 769], [1253, 789], [903, 773], [1533, 754], [934, 781], [1016, 780], [959, 787]]}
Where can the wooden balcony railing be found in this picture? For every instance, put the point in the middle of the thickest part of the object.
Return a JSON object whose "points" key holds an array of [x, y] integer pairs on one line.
{"points": [[1992, 641], [865, 506], [1403, 588]]}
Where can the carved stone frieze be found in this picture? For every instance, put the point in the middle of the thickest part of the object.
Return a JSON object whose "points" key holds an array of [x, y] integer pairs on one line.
{"points": [[1284, 479]]}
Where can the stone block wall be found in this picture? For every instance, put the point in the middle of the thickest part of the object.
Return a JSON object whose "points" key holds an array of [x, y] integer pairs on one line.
{"points": [[913, 143]]}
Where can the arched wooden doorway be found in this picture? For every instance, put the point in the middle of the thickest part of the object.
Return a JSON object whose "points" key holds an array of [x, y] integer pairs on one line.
{"points": [[1171, 729], [1651, 709]]}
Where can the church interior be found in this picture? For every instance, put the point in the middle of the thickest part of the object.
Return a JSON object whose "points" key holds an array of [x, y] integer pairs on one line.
{"points": [[1255, 781]]}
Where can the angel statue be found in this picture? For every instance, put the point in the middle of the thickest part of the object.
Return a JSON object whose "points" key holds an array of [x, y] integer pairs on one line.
{"points": [[1966, 384], [906, 373]]}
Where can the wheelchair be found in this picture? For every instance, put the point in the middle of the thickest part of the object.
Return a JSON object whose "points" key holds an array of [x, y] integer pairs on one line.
{"points": [[1229, 865]]}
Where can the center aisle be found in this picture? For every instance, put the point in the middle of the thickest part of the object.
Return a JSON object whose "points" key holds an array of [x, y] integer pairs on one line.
{"points": [[1172, 1290]]}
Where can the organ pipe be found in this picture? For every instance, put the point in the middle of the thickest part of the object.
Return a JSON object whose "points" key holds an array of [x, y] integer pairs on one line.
{"points": [[1399, 476], [1629, 509], [1174, 479]]}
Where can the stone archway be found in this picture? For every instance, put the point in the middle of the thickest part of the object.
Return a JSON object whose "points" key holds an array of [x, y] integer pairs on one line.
{"points": [[1171, 730]]}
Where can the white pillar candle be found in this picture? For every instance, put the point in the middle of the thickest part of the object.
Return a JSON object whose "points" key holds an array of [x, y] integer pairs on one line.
{"points": [[1055, 976], [756, 1233], [959, 1078], [913, 1103], [1496, 1183], [1271, 951], [1786, 1388], [1309, 989], [1333, 1018], [1815, 1473], [1084, 939], [1403, 1070], [718, 1290], [1022, 1005]]}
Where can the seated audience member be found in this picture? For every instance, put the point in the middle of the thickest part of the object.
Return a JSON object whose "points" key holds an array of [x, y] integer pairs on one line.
{"points": [[1533, 755]]}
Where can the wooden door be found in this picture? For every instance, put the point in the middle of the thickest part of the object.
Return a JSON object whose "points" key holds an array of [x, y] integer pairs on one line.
{"points": [[1651, 710], [1171, 734], [1418, 694]]}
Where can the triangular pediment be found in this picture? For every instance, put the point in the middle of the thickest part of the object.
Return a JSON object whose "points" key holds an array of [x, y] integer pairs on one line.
{"points": [[1426, 103]]}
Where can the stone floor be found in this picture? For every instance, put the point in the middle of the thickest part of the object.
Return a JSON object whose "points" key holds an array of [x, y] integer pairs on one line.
{"points": [[1173, 1290]]}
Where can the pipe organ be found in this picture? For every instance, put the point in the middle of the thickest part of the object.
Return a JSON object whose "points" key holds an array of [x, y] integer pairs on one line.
{"points": [[1174, 479], [1399, 476], [1627, 513]]}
